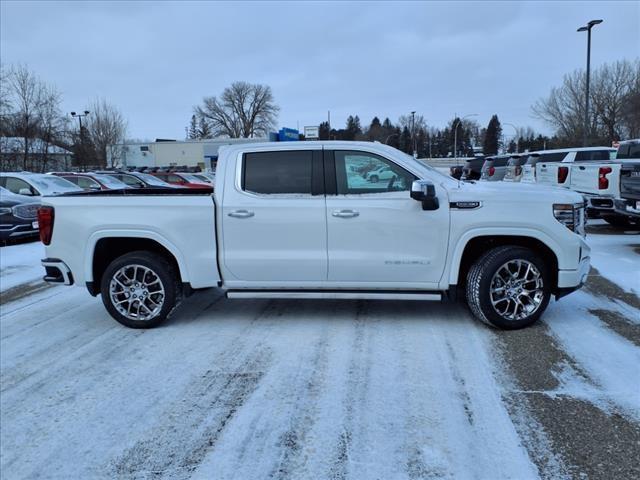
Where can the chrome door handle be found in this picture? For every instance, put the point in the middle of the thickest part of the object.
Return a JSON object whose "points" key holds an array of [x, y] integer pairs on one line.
{"points": [[345, 213], [241, 214]]}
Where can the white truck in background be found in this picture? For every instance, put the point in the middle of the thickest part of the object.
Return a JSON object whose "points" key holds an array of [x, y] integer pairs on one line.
{"points": [[300, 220], [553, 167], [599, 183]]}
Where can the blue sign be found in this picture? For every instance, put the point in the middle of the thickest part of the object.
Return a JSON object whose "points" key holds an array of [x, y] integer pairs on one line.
{"points": [[288, 135]]}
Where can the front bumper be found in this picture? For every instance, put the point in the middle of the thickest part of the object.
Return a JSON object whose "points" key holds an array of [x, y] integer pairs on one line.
{"points": [[571, 280], [57, 271]]}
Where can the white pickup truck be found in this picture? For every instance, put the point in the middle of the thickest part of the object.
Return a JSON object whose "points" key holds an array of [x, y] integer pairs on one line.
{"points": [[299, 220]]}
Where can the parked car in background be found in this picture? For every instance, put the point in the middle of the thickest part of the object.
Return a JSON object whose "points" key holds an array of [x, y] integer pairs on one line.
{"points": [[472, 169], [495, 167], [36, 184], [18, 216], [514, 168], [137, 179], [629, 149], [381, 174], [556, 170], [188, 180], [456, 171], [92, 181], [206, 177], [629, 201]]}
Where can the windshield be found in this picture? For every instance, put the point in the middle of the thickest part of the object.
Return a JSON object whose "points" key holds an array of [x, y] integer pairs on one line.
{"points": [[48, 184], [191, 178], [151, 180], [444, 176], [111, 182]]}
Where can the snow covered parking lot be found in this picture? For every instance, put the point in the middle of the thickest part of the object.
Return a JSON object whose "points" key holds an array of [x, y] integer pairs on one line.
{"points": [[331, 389]]}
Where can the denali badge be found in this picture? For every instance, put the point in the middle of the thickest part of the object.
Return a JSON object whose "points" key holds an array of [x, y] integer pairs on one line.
{"points": [[464, 205]]}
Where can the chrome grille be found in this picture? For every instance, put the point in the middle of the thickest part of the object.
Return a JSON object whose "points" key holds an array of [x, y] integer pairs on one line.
{"points": [[27, 211]]}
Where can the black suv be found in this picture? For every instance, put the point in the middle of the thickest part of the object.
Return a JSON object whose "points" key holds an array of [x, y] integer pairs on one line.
{"points": [[18, 216]]}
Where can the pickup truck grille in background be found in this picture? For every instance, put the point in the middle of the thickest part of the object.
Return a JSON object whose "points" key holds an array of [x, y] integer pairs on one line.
{"points": [[26, 211]]}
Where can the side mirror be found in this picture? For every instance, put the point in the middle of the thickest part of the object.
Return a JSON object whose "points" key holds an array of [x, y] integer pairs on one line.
{"points": [[424, 191], [25, 191]]}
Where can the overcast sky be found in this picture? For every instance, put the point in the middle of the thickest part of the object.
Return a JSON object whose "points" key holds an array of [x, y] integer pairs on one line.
{"points": [[156, 60]]}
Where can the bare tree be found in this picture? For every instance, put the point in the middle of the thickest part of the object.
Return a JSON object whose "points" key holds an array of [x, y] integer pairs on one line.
{"points": [[106, 128], [25, 92], [612, 85], [244, 110], [51, 125], [612, 88]]}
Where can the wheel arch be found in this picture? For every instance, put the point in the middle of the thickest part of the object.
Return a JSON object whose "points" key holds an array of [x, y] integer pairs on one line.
{"points": [[471, 248], [104, 247]]}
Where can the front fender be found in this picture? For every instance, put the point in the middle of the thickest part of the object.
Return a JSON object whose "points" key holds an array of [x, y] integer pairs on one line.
{"points": [[467, 236]]}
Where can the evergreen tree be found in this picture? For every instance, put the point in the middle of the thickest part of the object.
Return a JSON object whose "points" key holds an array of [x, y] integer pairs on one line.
{"points": [[492, 136], [375, 131], [323, 131], [406, 145], [192, 133], [204, 131]]}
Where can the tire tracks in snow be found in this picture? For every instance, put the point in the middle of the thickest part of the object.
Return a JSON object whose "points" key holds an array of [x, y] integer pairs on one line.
{"points": [[567, 423]]}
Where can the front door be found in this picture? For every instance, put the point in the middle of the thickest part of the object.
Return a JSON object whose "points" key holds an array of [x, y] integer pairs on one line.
{"points": [[274, 219], [377, 234]]}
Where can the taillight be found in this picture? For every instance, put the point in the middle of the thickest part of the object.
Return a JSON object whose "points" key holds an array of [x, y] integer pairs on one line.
{"points": [[45, 224], [603, 181], [492, 170], [563, 173]]}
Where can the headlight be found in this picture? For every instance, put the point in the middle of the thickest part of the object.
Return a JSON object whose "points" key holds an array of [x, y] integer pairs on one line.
{"points": [[570, 215]]}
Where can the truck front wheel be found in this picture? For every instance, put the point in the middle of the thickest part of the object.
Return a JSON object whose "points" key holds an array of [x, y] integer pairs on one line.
{"points": [[140, 289], [508, 287]]}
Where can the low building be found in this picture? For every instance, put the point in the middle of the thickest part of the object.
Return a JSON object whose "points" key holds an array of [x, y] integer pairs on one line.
{"points": [[172, 153], [41, 156]]}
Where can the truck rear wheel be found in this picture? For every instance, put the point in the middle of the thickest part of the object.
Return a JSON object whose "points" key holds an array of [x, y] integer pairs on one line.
{"points": [[508, 287], [140, 289]]}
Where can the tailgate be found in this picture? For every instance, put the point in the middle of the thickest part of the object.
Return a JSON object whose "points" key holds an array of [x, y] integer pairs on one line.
{"points": [[547, 173], [630, 182], [584, 178]]}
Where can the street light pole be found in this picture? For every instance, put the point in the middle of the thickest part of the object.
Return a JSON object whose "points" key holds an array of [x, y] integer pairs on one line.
{"points": [[517, 135], [455, 132], [587, 29], [79, 117]]}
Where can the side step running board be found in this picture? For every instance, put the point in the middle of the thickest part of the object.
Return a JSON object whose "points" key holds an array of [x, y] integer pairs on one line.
{"points": [[335, 294]]}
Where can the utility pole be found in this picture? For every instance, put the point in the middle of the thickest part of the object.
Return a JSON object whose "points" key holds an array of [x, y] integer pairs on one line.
{"points": [[587, 29], [413, 133], [79, 117]]}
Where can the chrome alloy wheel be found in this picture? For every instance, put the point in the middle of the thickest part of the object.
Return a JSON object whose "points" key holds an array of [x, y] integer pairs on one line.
{"points": [[516, 290], [136, 292]]}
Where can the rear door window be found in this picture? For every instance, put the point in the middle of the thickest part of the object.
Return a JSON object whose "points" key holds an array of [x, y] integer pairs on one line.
{"points": [[283, 172], [552, 157], [594, 155]]}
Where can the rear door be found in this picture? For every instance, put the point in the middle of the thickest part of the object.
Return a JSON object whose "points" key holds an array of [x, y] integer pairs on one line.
{"points": [[377, 234], [274, 223]]}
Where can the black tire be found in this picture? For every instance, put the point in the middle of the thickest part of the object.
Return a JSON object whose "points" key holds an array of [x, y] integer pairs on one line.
{"points": [[165, 274], [374, 179], [481, 275], [618, 221]]}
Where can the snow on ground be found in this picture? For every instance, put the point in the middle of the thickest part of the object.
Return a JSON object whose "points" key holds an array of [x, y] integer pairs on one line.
{"points": [[20, 264], [258, 389], [617, 257]]}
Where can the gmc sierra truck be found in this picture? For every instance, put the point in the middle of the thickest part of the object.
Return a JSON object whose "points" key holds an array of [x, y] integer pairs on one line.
{"points": [[300, 220]]}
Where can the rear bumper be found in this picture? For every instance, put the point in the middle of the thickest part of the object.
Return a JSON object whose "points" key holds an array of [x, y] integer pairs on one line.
{"points": [[627, 207], [57, 271], [599, 203]]}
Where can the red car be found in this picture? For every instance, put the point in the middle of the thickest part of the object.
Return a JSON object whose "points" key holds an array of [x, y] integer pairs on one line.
{"points": [[184, 179], [92, 181]]}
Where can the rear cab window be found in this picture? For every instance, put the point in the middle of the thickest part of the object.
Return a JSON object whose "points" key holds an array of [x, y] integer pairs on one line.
{"points": [[277, 173]]}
